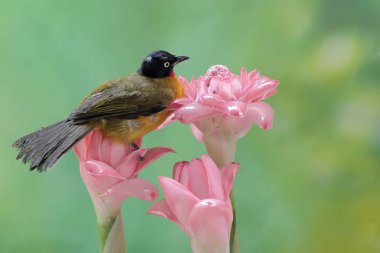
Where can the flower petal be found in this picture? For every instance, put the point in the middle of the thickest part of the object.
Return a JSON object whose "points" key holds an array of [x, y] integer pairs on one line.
{"points": [[198, 182], [128, 167], [263, 88], [212, 100], [215, 87], [151, 155], [244, 79], [178, 103], [226, 90], [210, 223], [80, 149], [234, 108], [189, 89], [194, 112], [99, 176], [228, 175], [112, 152], [94, 146], [181, 173], [180, 200], [261, 114], [237, 86], [253, 76], [161, 208], [197, 133], [201, 86], [258, 113], [214, 178], [136, 187]]}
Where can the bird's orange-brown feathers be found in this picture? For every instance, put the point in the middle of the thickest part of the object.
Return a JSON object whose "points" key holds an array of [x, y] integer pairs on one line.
{"points": [[135, 119], [124, 108]]}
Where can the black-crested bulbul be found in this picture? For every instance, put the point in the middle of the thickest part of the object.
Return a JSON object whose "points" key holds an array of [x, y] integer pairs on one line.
{"points": [[124, 109]]}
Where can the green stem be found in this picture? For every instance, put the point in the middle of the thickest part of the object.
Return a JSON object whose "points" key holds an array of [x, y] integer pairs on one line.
{"points": [[233, 247], [111, 236], [104, 230]]}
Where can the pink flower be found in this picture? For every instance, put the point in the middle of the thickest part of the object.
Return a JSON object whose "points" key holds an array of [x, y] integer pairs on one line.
{"points": [[110, 172], [197, 199], [220, 93]]}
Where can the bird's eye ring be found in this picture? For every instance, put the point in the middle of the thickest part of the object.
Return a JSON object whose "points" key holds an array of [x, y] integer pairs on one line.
{"points": [[167, 64]]}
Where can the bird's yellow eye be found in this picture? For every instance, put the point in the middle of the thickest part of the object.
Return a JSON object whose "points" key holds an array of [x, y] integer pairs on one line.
{"points": [[167, 64]]}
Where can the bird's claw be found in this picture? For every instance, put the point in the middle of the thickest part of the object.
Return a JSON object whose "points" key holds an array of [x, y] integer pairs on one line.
{"points": [[135, 146]]}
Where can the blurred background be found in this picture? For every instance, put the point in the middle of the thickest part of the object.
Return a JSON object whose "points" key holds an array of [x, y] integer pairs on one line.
{"points": [[311, 184]]}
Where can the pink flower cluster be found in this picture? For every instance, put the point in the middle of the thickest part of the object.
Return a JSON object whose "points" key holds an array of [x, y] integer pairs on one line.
{"points": [[110, 172], [197, 199], [238, 99], [221, 107]]}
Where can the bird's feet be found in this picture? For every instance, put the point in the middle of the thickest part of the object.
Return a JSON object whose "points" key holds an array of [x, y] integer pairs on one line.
{"points": [[136, 147]]}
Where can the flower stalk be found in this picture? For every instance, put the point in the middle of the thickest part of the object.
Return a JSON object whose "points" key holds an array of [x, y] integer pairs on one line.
{"points": [[110, 172], [220, 143], [221, 108], [219, 139], [234, 245], [111, 236]]}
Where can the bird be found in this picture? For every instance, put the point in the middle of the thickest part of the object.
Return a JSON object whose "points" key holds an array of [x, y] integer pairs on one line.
{"points": [[124, 109]]}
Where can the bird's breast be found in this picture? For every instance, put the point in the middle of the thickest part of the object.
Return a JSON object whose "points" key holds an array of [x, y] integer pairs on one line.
{"points": [[128, 130]]}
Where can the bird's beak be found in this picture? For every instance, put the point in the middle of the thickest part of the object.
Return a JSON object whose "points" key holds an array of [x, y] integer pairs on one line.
{"points": [[180, 59]]}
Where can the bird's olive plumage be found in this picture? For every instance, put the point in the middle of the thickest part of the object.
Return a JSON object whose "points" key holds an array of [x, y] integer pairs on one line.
{"points": [[124, 109], [121, 107]]}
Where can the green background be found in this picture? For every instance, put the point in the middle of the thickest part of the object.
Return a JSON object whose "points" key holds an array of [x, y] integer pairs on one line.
{"points": [[311, 184]]}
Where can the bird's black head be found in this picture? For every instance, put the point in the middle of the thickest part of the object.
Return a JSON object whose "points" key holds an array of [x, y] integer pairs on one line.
{"points": [[160, 64]]}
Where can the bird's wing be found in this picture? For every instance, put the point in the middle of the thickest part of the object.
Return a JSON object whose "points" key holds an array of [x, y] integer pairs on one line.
{"points": [[128, 98]]}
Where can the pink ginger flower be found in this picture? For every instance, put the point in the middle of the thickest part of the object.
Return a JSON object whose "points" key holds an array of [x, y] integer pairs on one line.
{"points": [[110, 173], [110, 170], [220, 93], [197, 199]]}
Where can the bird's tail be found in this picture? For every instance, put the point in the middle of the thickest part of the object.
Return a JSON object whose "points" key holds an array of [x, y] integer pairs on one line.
{"points": [[43, 148]]}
